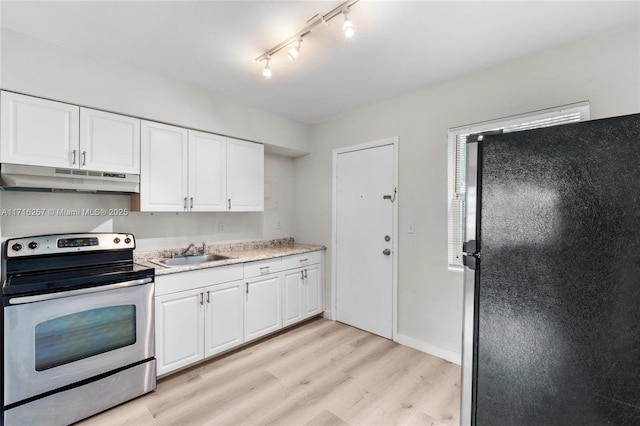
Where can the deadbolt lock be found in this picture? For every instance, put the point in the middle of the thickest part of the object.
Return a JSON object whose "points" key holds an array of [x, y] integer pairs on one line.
{"points": [[387, 238]]}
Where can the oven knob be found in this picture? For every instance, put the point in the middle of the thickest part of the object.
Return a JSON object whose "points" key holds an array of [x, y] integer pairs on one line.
{"points": [[16, 247], [33, 245], [127, 240], [116, 240]]}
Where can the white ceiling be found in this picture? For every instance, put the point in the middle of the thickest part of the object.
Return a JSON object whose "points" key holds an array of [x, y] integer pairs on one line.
{"points": [[399, 47]]}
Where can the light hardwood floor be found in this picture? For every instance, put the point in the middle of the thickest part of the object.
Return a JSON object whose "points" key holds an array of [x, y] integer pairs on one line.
{"points": [[321, 373]]}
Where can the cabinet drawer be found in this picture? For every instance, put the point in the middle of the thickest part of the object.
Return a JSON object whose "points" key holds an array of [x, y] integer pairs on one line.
{"points": [[181, 281], [301, 260], [262, 267]]}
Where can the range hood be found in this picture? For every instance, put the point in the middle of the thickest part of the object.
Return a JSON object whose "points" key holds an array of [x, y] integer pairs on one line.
{"points": [[19, 177]]}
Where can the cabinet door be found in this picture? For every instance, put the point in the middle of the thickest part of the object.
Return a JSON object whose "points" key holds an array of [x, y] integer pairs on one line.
{"points": [[292, 296], [38, 132], [163, 168], [223, 317], [179, 329], [109, 142], [312, 303], [245, 175], [207, 172], [262, 306]]}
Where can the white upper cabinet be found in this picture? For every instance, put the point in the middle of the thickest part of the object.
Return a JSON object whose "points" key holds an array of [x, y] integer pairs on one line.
{"points": [[38, 132], [163, 167], [187, 170], [207, 172], [180, 169], [41, 132], [109, 142], [245, 176]]}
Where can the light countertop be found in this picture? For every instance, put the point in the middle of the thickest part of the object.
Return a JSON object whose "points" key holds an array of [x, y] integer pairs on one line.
{"points": [[237, 252]]}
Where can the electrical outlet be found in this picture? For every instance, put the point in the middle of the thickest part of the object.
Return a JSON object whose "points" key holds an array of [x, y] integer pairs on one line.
{"points": [[411, 229], [221, 227]]}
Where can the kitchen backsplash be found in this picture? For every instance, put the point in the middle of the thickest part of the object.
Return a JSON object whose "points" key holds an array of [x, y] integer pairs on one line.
{"points": [[37, 213], [26, 213], [221, 248]]}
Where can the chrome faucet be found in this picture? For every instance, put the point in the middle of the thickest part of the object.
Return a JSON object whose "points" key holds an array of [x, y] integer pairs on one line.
{"points": [[185, 251], [204, 248]]}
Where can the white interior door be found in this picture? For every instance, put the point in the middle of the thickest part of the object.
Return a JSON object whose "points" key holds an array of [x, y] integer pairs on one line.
{"points": [[365, 240]]}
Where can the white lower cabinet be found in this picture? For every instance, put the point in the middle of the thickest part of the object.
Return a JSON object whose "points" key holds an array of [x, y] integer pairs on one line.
{"points": [[223, 318], [195, 320], [262, 298], [312, 294], [262, 307], [302, 293], [205, 312], [292, 296], [179, 325]]}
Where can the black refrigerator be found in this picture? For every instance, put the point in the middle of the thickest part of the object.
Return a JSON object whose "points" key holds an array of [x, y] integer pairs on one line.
{"points": [[552, 276]]}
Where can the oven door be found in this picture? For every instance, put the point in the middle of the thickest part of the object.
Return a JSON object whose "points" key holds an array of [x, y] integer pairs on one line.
{"points": [[58, 339]]}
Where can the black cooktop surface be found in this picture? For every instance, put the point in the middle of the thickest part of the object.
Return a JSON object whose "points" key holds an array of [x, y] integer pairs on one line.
{"points": [[75, 278]]}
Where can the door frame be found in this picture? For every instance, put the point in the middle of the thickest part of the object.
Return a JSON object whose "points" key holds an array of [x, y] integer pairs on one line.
{"points": [[394, 240]]}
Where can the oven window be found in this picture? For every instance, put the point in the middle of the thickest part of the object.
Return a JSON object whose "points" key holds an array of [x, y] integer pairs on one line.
{"points": [[84, 334]]}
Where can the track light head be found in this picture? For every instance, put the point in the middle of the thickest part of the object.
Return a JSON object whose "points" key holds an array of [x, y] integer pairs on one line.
{"points": [[294, 48], [266, 72], [347, 27], [294, 52]]}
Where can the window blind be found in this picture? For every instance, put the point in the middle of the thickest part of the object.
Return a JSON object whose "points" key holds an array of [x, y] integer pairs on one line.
{"points": [[457, 139]]}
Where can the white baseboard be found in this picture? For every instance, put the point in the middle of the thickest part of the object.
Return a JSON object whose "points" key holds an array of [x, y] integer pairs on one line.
{"points": [[454, 357]]}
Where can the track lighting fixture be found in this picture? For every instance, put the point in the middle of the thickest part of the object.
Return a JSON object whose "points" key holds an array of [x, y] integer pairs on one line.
{"points": [[347, 27], [266, 72], [293, 53]]}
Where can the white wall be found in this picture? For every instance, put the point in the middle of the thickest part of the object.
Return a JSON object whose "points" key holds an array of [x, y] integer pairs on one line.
{"points": [[604, 70], [154, 230], [38, 68], [34, 67]]}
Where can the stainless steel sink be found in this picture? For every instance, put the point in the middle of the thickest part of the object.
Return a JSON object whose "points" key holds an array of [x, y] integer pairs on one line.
{"points": [[192, 260]]}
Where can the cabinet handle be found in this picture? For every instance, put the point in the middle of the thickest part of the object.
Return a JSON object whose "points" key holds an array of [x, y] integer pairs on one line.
{"points": [[74, 152], [246, 288], [305, 274], [185, 203], [304, 260], [191, 203], [202, 298], [264, 267], [84, 158], [302, 275], [208, 296], [229, 203]]}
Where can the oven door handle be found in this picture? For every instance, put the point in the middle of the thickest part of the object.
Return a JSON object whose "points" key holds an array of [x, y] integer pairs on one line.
{"points": [[58, 295]]}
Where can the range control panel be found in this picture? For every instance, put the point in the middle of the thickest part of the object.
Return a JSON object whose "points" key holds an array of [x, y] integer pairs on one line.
{"points": [[68, 243]]}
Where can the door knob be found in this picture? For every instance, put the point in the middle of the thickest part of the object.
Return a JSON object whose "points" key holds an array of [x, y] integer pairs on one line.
{"points": [[386, 252]]}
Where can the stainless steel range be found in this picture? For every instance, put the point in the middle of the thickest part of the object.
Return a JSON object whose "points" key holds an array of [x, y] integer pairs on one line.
{"points": [[78, 327]]}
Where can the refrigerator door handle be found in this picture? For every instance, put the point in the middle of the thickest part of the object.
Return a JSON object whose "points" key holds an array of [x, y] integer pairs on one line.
{"points": [[470, 259], [470, 247], [470, 255]]}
